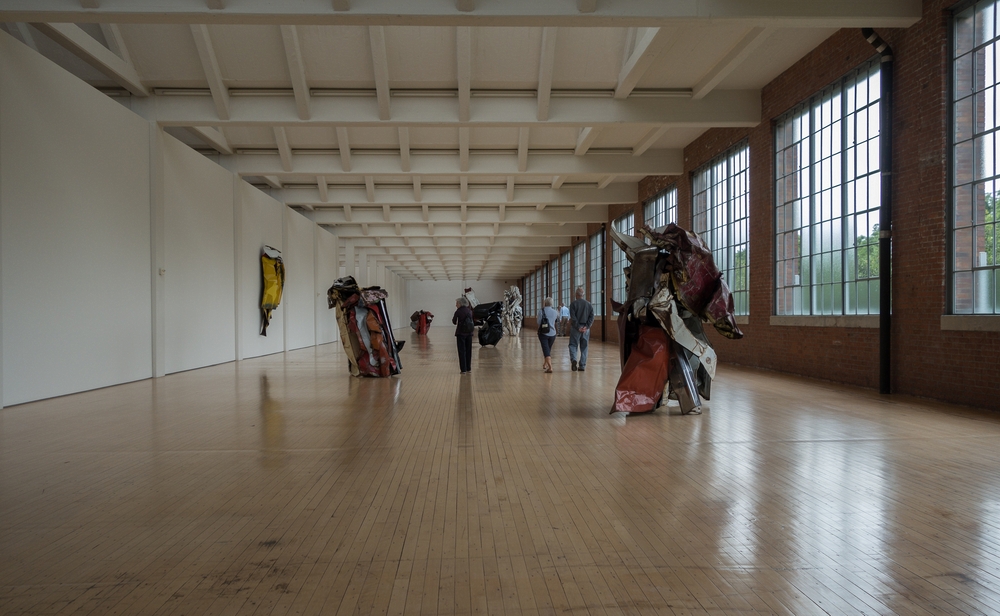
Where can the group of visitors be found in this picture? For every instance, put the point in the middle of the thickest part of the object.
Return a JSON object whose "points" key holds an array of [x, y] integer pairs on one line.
{"points": [[575, 320]]}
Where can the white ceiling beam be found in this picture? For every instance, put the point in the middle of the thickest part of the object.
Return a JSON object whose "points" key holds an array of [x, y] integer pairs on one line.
{"points": [[402, 196], [86, 47], [558, 181], [417, 192], [510, 188], [463, 213], [380, 65], [272, 180], [543, 165], [90, 4], [404, 148], [213, 137], [607, 180], [734, 58], [648, 140], [284, 150], [370, 188], [345, 148], [324, 193], [463, 148], [522, 149], [215, 5], [586, 6], [24, 32], [425, 212], [586, 138], [113, 35], [347, 213], [465, 5], [210, 64], [455, 230], [641, 13], [732, 108], [502, 212], [647, 49], [535, 244], [463, 189], [296, 69], [545, 69], [463, 53]]}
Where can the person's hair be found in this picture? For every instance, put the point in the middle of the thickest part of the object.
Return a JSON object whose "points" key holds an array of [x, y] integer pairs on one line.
{"points": [[580, 292], [462, 301], [547, 302]]}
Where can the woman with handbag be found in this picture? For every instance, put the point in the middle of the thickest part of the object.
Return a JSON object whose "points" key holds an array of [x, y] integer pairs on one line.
{"points": [[547, 318], [464, 326]]}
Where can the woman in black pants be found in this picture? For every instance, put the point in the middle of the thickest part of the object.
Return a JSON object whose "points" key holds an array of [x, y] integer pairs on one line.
{"points": [[464, 326]]}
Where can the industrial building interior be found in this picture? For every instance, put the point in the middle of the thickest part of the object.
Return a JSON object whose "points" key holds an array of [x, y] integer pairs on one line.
{"points": [[159, 454]]}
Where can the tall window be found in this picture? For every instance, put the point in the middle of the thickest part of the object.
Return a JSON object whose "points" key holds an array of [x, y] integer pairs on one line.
{"points": [[579, 269], [975, 270], [537, 300], [553, 290], [661, 209], [827, 194], [626, 226], [597, 272], [564, 281], [721, 218]]}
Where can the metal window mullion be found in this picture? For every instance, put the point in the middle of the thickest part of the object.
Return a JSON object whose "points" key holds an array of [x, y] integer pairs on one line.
{"points": [[812, 205], [843, 199]]}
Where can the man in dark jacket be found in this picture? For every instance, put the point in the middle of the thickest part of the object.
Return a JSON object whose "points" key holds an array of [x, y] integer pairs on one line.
{"points": [[464, 326], [581, 319]]}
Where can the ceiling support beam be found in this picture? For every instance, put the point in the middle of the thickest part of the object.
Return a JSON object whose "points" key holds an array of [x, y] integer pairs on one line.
{"points": [[370, 188], [341, 5], [465, 5], [463, 44], [113, 36], [90, 4], [324, 193], [586, 6], [401, 195], [417, 196], [474, 215], [296, 69], [347, 213], [387, 216], [510, 188], [649, 46], [463, 148], [272, 181], [586, 139], [648, 140], [604, 183], [463, 189], [86, 47], [545, 68], [380, 65], [750, 41], [27, 37], [558, 181], [214, 138], [404, 148], [284, 151], [345, 148], [215, 5], [206, 53]]}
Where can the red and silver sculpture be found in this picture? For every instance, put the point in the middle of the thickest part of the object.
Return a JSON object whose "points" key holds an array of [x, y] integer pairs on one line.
{"points": [[673, 286], [365, 329]]}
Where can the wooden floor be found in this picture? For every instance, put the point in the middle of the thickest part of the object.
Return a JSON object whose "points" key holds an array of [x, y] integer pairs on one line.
{"points": [[282, 485]]}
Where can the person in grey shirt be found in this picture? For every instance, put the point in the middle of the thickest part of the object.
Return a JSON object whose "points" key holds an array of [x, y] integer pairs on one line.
{"points": [[581, 319], [549, 336]]}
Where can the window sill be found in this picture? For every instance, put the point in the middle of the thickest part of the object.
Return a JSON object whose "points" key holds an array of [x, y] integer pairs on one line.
{"points": [[970, 322], [865, 321]]}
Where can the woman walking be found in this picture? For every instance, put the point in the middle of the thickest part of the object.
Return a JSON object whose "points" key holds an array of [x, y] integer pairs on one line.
{"points": [[547, 318], [464, 326]]}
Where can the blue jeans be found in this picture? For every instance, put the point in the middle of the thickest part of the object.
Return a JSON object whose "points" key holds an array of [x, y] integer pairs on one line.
{"points": [[546, 341], [577, 339]]}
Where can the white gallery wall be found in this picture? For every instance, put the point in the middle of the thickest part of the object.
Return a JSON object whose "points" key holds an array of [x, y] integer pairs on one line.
{"points": [[75, 227], [299, 295], [199, 282], [438, 296], [124, 253]]}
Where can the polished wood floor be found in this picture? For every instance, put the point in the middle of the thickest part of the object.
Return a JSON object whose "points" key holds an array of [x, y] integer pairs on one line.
{"points": [[282, 485]]}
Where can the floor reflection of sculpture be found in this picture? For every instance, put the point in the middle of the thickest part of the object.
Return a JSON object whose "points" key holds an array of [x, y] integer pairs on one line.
{"points": [[365, 329], [512, 314], [488, 318], [420, 321], [673, 286]]}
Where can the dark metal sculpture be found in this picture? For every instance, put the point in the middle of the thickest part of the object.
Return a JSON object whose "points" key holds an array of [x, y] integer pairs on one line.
{"points": [[489, 319], [673, 286], [365, 329]]}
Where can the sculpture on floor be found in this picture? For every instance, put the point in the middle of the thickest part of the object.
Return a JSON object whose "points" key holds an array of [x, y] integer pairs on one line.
{"points": [[487, 317], [470, 295], [672, 287], [272, 271], [420, 321], [512, 314], [365, 329]]}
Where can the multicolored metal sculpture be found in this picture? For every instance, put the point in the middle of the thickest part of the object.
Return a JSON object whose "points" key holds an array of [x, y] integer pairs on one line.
{"points": [[421, 321], [673, 286], [365, 329], [512, 314]]}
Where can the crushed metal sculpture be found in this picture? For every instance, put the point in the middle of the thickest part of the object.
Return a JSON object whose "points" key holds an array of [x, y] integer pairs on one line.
{"points": [[672, 286], [365, 329], [512, 315], [487, 317], [470, 295], [420, 321]]}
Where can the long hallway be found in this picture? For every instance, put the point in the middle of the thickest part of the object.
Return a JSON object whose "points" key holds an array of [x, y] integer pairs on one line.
{"points": [[282, 485]]}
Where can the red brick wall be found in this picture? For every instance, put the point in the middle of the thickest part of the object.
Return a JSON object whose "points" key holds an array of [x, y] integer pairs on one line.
{"points": [[961, 367]]}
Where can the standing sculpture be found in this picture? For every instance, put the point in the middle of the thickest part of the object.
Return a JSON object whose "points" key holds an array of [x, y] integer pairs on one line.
{"points": [[365, 329], [512, 314], [672, 286]]}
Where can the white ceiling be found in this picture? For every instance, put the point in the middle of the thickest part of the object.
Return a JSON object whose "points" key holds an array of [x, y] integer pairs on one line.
{"points": [[447, 139]]}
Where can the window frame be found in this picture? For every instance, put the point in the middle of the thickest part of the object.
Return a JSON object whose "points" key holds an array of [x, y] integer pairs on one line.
{"points": [[618, 259], [597, 274], [668, 198]]}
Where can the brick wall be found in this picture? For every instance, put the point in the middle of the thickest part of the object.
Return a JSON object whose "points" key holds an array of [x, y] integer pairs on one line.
{"points": [[962, 367]]}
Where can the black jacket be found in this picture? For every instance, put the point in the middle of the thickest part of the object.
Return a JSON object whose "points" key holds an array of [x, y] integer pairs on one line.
{"points": [[460, 315]]}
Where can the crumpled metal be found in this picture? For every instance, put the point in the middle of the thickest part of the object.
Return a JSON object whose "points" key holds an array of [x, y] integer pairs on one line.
{"points": [[365, 329]]}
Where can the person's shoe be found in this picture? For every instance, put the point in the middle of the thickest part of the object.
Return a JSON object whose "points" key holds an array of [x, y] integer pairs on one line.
{"points": [[580, 368], [572, 365]]}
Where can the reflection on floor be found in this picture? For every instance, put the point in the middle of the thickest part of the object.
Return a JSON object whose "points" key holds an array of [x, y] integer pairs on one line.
{"points": [[282, 485]]}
